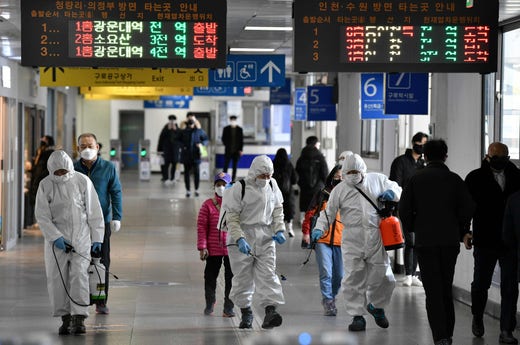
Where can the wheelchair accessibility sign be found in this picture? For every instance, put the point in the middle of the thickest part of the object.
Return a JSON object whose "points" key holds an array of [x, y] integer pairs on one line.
{"points": [[250, 70]]}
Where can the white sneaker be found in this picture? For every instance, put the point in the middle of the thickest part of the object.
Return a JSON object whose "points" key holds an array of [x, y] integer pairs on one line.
{"points": [[416, 281], [407, 281], [289, 228], [168, 182]]}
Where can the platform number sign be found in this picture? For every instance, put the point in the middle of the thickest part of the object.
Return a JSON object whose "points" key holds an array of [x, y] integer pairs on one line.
{"points": [[320, 104], [300, 104], [372, 97]]}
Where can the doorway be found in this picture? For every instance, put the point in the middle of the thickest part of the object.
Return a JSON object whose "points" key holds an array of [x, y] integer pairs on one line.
{"points": [[131, 130]]}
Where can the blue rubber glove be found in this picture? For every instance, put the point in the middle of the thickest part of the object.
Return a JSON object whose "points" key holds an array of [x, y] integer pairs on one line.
{"points": [[96, 247], [387, 195], [60, 243], [243, 246], [279, 237], [316, 234]]}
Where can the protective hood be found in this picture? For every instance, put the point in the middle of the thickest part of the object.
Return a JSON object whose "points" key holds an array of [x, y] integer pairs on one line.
{"points": [[344, 155], [353, 162], [60, 160], [260, 165]]}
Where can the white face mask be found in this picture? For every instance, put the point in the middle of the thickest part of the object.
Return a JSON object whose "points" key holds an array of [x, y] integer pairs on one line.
{"points": [[261, 182], [219, 190], [354, 179], [63, 178], [233, 123], [88, 154]]}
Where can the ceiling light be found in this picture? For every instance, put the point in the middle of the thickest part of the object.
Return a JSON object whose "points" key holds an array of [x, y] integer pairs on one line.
{"points": [[251, 49], [269, 28]]}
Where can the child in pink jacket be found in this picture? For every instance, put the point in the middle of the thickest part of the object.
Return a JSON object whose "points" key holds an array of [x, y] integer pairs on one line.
{"points": [[211, 244]]}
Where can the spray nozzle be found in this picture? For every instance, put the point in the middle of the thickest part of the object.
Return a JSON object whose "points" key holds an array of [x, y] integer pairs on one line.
{"points": [[68, 247]]}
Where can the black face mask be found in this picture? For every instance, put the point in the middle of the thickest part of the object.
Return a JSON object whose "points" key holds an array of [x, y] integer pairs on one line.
{"points": [[498, 163], [43, 143], [417, 149], [335, 182]]}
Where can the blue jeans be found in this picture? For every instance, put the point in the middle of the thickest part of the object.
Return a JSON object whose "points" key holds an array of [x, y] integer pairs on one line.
{"points": [[330, 267]]}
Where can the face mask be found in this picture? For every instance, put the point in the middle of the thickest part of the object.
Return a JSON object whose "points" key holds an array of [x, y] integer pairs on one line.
{"points": [[418, 149], [88, 154], [62, 178], [43, 143], [261, 182], [335, 182], [354, 179], [233, 123], [220, 190], [498, 163]]}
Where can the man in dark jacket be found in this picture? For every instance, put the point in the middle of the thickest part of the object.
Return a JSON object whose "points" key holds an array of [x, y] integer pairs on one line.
{"points": [[191, 139], [490, 186], [312, 172], [402, 169], [169, 146], [437, 207], [233, 140]]}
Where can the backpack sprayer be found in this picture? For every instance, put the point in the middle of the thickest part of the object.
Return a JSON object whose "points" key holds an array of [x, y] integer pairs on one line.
{"points": [[96, 279]]}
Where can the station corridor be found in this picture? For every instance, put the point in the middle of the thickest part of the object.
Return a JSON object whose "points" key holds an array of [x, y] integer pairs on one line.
{"points": [[159, 297]]}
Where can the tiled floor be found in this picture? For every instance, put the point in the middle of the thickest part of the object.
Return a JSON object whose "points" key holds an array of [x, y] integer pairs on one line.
{"points": [[159, 297]]}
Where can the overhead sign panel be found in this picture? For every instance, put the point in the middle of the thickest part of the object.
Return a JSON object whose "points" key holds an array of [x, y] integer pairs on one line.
{"points": [[300, 104], [219, 91], [250, 70], [406, 93], [395, 35], [281, 94], [166, 33], [137, 90], [173, 102], [320, 104], [85, 76], [372, 97]]}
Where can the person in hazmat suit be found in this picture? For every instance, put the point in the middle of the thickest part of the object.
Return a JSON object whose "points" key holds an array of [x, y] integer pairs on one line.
{"points": [[253, 212], [368, 282], [69, 214]]}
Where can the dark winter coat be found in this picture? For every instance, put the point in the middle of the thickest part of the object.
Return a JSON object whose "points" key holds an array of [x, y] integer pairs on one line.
{"points": [[511, 227], [190, 137], [233, 145], [286, 177], [436, 206], [312, 172], [169, 143], [404, 167], [491, 201]]}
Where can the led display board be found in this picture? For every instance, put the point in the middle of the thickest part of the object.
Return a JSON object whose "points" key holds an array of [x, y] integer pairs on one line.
{"points": [[395, 36], [108, 33]]}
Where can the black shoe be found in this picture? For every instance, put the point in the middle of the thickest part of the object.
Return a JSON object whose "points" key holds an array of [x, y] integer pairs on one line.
{"points": [[209, 308], [358, 324], [477, 326], [78, 327], [272, 318], [247, 318], [506, 337], [65, 326], [379, 315]]}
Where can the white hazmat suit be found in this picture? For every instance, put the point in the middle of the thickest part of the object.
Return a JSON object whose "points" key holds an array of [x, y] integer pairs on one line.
{"points": [[368, 274], [256, 217], [68, 206]]}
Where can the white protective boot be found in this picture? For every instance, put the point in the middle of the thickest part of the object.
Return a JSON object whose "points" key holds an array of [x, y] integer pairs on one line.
{"points": [[289, 229]]}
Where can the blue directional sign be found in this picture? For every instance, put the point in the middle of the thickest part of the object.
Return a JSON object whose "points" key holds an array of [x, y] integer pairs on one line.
{"points": [[300, 104], [406, 93], [372, 102], [320, 105], [219, 91], [178, 102], [281, 94], [250, 70]]}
